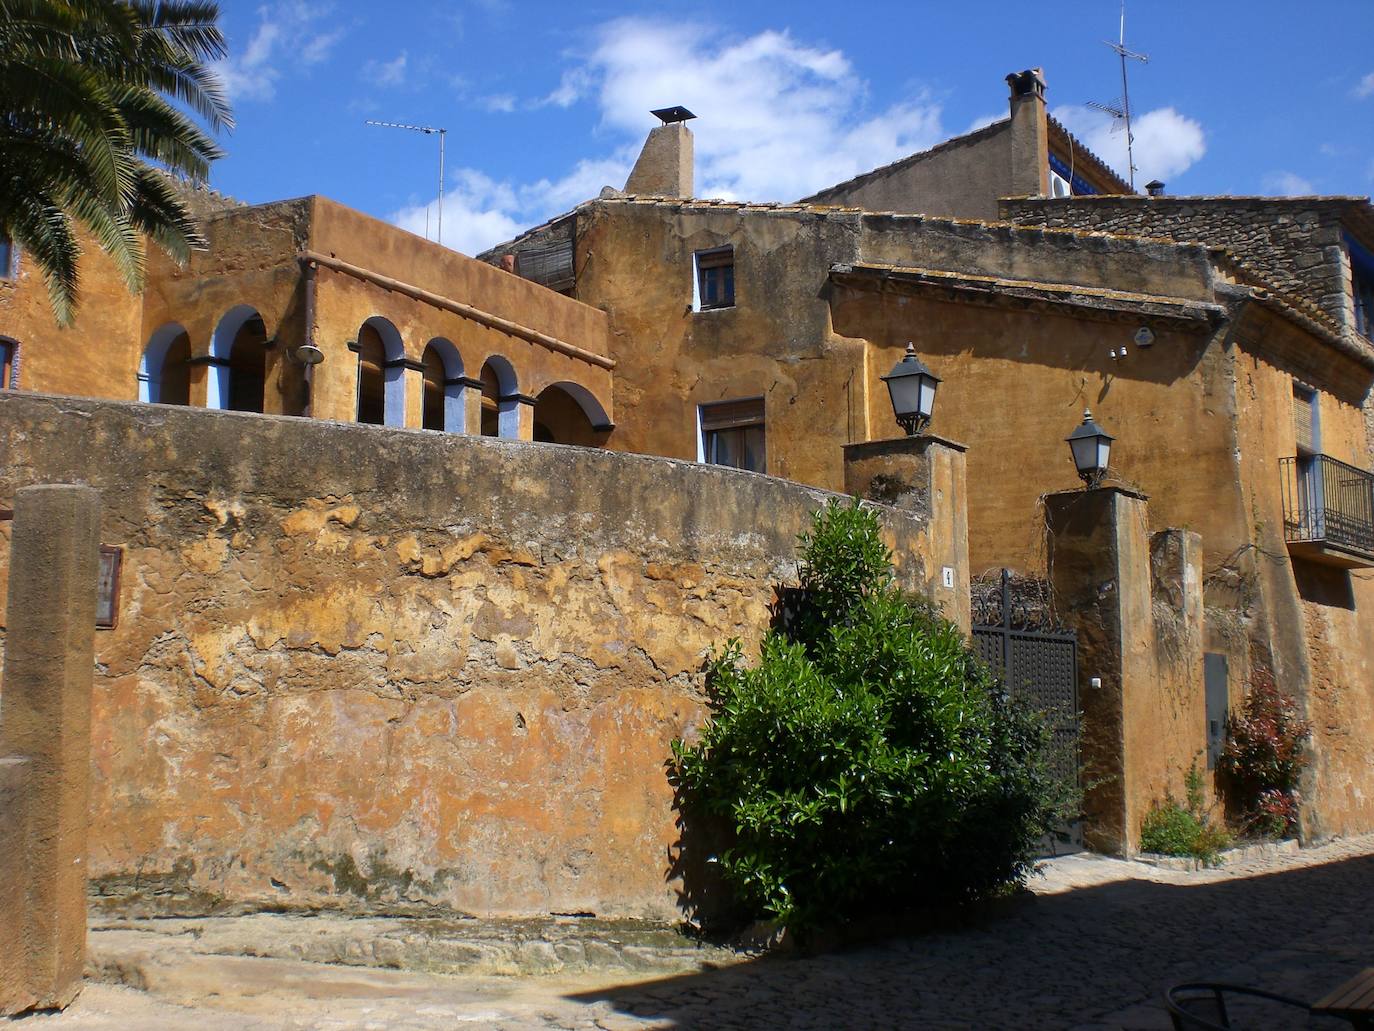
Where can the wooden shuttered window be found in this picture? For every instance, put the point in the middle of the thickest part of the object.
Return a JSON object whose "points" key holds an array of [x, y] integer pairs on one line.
{"points": [[732, 434], [715, 278], [731, 414], [1305, 418]]}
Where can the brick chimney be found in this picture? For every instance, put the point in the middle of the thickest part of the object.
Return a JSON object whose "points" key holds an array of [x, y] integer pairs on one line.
{"points": [[1030, 134], [664, 168]]}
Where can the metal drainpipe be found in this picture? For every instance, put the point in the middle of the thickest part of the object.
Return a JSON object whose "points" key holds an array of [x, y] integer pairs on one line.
{"points": [[310, 268]]}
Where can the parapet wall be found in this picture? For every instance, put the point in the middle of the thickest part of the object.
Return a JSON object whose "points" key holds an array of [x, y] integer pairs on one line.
{"points": [[377, 668]]}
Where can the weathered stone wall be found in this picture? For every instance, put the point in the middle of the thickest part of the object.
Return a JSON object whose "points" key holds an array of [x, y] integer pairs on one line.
{"points": [[377, 668], [1293, 244], [962, 178]]}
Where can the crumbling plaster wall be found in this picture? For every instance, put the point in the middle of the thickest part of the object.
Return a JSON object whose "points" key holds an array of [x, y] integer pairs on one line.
{"points": [[380, 668]]}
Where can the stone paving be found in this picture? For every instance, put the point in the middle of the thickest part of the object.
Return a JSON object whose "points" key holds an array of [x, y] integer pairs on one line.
{"points": [[1092, 949]]}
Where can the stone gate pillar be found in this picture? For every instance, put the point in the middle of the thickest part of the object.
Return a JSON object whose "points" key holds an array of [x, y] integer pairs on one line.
{"points": [[45, 745], [1099, 565], [924, 475]]}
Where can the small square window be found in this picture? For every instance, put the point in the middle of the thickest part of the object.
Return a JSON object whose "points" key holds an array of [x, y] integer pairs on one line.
{"points": [[732, 434], [715, 271], [9, 254]]}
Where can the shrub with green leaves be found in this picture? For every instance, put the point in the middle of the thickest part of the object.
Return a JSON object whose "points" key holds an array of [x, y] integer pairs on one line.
{"points": [[1171, 829], [868, 762]]}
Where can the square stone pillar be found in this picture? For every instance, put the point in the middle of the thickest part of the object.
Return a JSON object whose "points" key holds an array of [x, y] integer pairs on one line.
{"points": [[45, 719], [414, 379], [923, 475], [522, 412], [1099, 563], [472, 405]]}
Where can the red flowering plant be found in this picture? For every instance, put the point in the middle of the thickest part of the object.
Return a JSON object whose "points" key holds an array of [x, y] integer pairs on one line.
{"points": [[1264, 756]]}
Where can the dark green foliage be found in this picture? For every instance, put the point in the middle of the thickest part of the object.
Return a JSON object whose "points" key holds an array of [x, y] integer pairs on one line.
{"points": [[94, 102], [867, 763], [1184, 830]]}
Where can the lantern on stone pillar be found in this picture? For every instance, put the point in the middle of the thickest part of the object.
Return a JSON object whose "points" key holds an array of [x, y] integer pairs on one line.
{"points": [[912, 389], [1092, 449]]}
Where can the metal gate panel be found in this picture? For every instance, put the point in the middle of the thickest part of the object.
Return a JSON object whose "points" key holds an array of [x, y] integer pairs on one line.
{"points": [[1038, 666]]}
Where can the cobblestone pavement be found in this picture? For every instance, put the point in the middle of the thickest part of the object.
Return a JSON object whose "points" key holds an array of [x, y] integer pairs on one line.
{"points": [[1091, 950]]}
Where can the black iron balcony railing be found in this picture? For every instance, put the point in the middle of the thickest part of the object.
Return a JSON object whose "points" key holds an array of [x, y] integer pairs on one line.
{"points": [[1328, 503]]}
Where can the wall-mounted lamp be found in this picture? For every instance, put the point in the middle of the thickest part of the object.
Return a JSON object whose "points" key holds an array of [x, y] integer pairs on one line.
{"points": [[309, 354]]}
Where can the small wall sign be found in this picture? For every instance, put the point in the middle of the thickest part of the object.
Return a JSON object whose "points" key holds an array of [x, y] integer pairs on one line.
{"points": [[947, 576]]}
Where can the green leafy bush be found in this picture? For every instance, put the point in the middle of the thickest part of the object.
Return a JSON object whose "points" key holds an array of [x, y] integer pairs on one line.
{"points": [[1263, 759], [868, 762], [1184, 830]]}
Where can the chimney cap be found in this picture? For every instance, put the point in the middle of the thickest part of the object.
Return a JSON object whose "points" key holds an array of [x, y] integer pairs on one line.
{"points": [[1029, 83], [1154, 188], [669, 115]]}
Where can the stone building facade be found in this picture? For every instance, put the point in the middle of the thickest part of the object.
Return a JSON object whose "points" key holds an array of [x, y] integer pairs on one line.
{"points": [[1224, 342]]}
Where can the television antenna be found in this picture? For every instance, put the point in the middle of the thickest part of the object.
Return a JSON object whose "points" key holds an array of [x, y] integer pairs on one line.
{"points": [[1120, 110], [428, 130]]}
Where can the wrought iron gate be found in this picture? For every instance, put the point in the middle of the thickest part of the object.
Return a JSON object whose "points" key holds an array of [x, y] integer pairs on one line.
{"points": [[1016, 634]]}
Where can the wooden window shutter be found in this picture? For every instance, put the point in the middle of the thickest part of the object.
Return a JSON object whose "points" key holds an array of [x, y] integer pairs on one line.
{"points": [[717, 258], [729, 414], [1304, 417]]}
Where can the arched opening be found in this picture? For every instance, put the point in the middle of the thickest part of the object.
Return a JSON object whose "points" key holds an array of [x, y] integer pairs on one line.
{"points": [[238, 358], [500, 408], [443, 405], [568, 413], [164, 373], [381, 383]]}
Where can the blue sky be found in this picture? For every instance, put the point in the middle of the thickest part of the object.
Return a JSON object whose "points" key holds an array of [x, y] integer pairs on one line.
{"points": [[545, 103]]}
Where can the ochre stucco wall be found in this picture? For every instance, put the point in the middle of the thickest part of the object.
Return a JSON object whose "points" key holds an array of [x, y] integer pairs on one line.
{"points": [[98, 354], [376, 668], [1318, 618]]}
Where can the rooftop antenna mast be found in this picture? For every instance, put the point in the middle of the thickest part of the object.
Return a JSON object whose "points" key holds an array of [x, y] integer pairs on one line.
{"points": [[428, 130], [1121, 111]]}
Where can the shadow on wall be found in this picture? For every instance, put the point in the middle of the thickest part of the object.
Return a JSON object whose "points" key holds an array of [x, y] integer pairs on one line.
{"points": [[1324, 585]]}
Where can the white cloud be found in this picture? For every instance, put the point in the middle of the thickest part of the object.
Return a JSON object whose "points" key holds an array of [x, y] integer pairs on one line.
{"points": [[1365, 87], [1288, 184], [499, 103], [778, 119], [288, 34], [386, 73], [1166, 143]]}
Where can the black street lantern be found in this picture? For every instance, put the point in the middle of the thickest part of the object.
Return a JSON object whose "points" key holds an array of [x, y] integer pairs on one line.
{"points": [[912, 387], [1092, 447]]}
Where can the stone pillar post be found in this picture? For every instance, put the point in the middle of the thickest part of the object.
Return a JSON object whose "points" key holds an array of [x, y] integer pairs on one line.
{"points": [[523, 415], [472, 406], [413, 376], [1099, 562], [45, 719], [923, 475]]}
